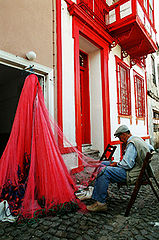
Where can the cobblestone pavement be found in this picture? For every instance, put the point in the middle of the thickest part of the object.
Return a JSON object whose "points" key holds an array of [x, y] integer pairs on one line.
{"points": [[142, 223]]}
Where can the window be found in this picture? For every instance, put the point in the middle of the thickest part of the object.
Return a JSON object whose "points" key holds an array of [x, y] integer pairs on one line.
{"points": [[139, 96], [153, 70], [155, 121], [123, 89]]}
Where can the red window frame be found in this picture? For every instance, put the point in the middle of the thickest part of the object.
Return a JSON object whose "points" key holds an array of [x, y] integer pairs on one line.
{"points": [[139, 90], [123, 89]]}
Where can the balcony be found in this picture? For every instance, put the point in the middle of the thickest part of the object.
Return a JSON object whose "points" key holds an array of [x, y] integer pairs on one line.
{"points": [[129, 22], [97, 9]]}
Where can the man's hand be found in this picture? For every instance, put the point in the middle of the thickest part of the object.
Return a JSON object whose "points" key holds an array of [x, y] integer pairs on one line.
{"points": [[113, 164]]}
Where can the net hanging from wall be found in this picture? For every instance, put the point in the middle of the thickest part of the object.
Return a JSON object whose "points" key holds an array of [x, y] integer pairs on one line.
{"points": [[33, 173]]}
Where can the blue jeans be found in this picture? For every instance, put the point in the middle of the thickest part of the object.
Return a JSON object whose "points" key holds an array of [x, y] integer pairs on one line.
{"points": [[105, 176]]}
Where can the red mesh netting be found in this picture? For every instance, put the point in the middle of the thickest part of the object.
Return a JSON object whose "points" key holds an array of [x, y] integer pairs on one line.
{"points": [[33, 175]]}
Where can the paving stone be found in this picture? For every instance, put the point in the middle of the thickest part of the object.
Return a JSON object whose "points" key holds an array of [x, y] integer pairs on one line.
{"points": [[143, 232], [54, 219], [54, 238], [8, 229], [94, 220], [38, 233], [104, 238], [90, 232], [23, 228], [68, 222], [71, 229], [16, 232], [103, 232], [83, 227], [61, 234], [55, 224], [7, 238], [72, 235], [34, 238], [47, 236], [79, 238], [52, 231], [65, 217], [47, 223], [62, 227], [139, 237], [149, 237], [24, 237], [155, 235], [34, 225], [74, 220], [87, 237], [108, 228], [2, 232], [79, 215]]}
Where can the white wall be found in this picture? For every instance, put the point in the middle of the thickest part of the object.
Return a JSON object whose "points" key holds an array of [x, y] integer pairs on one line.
{"points": [[96, 111], [139, 129], [113, 90], [68, 75]]}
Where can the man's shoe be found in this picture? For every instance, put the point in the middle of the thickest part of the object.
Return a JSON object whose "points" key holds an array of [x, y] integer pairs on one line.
{"points": [[85, 194], [96, 207]]}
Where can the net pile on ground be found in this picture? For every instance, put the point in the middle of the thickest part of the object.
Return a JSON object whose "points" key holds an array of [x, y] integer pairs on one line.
{"points": [[33, 175]]}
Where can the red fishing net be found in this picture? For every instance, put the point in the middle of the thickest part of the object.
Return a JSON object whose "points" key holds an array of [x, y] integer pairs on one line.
{"points": [[33, 174]]}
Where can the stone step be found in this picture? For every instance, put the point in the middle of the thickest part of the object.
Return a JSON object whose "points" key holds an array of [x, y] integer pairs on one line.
{"points": [[92, 153], [86, 147]]}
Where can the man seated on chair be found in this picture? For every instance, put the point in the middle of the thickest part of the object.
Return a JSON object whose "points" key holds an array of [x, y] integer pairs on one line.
{"points": [[125, 171]]}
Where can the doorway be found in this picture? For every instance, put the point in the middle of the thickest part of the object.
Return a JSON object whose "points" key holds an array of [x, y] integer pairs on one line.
{"points": [[85, 98], [11, 84]]}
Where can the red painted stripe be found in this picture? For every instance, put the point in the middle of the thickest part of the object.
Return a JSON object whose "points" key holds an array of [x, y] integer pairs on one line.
{"points": [[105, 95], [59, 68]]}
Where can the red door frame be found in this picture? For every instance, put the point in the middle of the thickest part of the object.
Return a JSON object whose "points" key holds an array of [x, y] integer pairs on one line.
{"points": [[91, 35]]}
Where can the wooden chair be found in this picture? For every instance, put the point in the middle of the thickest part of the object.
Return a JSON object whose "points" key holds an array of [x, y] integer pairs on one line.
{"points": [[108, 153], [143, 179]]}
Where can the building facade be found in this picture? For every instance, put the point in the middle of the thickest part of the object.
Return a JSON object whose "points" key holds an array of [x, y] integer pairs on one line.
{"points": [[90, 59], [102, 60]]}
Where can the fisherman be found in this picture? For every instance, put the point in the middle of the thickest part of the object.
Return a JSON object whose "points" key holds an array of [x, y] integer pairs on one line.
{"points": [[125, 171]]}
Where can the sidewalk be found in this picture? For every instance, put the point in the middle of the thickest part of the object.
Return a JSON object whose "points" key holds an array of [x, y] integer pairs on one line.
{"points": [[143, 222]]}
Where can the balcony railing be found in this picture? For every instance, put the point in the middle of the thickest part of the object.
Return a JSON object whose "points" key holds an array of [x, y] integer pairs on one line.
{"points": [[96, 8], [124, 11]]}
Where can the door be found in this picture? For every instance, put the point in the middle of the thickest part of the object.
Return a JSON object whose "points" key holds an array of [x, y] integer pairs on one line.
{"points": [[85, 99]]}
